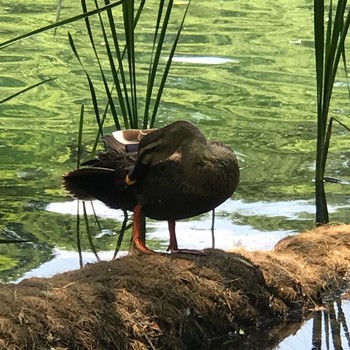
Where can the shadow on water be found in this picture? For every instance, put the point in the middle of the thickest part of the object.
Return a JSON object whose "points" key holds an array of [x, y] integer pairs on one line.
{"points": [[324, 328]]}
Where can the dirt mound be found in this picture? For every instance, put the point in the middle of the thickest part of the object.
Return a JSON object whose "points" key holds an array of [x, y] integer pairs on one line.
{"points": [[174, 302]]}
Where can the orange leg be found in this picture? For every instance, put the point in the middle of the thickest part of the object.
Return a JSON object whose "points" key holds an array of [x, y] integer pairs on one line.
{"points": [[173, 241], [137, 240]]}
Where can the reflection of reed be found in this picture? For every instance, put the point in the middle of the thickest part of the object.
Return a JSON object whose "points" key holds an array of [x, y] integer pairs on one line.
{"points": [[326, 327], [334, 326], [317, 331], [342, 320], [330, 330], [334, 321]]}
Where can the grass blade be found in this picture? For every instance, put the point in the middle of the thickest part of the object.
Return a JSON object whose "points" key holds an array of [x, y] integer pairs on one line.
{"points": [[80, 135], [129, 29], [89, 234], [167, 67], [91, 87], [156, 50], [121, 234], [25, 90], [59, 24], [78, 237]]}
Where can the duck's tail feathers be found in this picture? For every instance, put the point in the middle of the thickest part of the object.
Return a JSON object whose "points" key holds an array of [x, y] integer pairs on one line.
{"points": [[97, 183]]}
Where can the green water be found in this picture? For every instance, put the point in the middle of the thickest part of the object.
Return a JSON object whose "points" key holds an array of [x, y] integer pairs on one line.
{"points": [[260, 99]]}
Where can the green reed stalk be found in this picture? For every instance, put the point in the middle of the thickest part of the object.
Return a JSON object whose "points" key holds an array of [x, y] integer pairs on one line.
{"points": [[59, 24], [123, 91], [122, 59], [329, 48], [25, 90], [79, 149]]}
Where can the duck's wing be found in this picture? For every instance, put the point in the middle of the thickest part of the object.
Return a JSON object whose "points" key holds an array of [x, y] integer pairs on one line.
{"points": [[99, 183], [103, 178], [86, 183], [120, 162]]}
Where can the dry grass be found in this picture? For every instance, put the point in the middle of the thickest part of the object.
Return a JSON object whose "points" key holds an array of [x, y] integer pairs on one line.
{"points": [[173, 302]]}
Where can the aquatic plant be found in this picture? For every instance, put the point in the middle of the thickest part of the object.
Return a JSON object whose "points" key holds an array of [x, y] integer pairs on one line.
{"points": [[132, 98], [130, 102], [329, 39], [117, 29], [56, 25]]}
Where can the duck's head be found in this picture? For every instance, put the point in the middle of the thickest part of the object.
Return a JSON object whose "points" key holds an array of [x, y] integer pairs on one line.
{"points": [[164, 142]]}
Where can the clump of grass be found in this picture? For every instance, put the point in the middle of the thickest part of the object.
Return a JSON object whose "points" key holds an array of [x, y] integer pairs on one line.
{"points": [[329, 50], [132, 101]]}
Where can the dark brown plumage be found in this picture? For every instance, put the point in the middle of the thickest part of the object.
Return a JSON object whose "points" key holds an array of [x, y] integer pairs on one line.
{"points": [[177, 173]]}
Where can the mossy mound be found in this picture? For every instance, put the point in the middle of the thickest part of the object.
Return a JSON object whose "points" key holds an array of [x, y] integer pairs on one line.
{"points": [[174, 301]]}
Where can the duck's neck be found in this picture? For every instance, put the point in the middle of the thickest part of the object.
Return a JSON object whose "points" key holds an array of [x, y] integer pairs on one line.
{"points": [[194, 149]]}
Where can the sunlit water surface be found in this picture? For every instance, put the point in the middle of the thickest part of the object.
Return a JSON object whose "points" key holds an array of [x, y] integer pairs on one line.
{"points": [[244, 73]]}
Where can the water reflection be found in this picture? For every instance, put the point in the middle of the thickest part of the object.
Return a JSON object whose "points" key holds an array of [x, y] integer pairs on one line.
{"points": [[21, 257], [327, 328], [234, 224], [243, 72], [203, 59]]}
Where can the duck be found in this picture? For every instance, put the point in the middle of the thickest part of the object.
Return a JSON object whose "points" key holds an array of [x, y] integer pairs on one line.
{"points": [[170, 173]]}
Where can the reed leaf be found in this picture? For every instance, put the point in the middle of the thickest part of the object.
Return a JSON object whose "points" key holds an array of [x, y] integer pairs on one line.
{"points": [[91, 87], [121, 88], [110, 104], [89, 233], [125, 74], [156, 50], [110, 57], [121, 233], [167, 67], [26, 89], [10, 241], [60, 24], [122, 68], [58, 13], [128, 16], [80, 135], [79, 148], [329, 48], [78, 236]]}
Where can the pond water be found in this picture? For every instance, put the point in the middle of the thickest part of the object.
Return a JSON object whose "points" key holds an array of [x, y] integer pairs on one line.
{"points": [[243, 72]]}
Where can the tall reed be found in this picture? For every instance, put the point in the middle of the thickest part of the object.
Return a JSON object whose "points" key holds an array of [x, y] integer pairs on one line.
{"points": [[329, 37], [126, 104]]}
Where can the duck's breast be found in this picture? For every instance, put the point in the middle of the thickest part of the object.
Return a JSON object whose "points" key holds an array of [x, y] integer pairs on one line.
{"points": [[173, 190]]}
